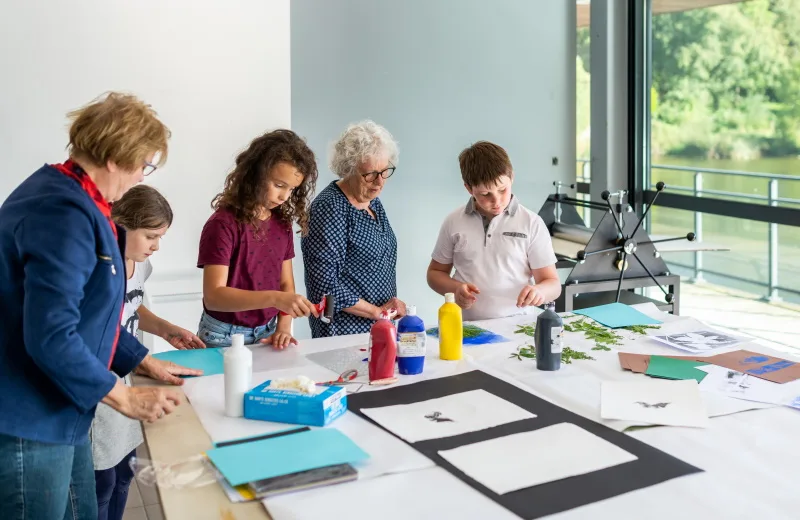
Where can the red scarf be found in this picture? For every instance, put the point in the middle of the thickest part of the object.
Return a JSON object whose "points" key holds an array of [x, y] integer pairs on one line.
{"points": [[73, 170]]}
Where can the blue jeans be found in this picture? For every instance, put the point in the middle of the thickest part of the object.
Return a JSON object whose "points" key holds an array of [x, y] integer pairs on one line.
{"points": [[217, 333], [40, 481], [112, 489]]}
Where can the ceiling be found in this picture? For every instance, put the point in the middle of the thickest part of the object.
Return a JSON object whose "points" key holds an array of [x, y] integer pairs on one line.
{"points": [[659, 7]]}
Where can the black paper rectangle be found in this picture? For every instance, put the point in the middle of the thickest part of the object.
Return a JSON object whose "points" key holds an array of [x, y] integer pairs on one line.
{"points": [[652, 466]]}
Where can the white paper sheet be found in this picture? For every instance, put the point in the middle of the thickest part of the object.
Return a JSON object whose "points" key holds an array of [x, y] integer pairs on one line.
{"points": [[207, 395], [388, 454], [427, 494], [447, 416], [528, 459], [699, 341], [653, 401], [735, 384]]}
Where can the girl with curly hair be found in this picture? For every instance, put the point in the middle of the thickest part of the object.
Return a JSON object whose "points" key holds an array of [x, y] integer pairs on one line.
{"points": [[246, 247]]}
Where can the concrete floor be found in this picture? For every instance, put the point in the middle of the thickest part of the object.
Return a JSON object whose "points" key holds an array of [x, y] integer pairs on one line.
{"points": [[776, 325], [143, 502]]}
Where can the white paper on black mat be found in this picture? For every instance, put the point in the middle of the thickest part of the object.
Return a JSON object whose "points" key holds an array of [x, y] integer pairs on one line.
{"points": [[527, 459], [654, 401], [447, 416], [428, 493]]}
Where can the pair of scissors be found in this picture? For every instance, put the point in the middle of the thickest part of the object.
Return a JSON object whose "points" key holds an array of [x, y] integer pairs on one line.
{"points": [[345, 378]]}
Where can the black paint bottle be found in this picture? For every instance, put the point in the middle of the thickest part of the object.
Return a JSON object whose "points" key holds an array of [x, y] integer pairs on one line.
{"points": [[548, 339]]}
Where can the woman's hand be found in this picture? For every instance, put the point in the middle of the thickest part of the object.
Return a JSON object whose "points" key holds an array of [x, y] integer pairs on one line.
{"points": [[181, 338], [165, 371], [396, 304], [281, 339], [142, 403]]}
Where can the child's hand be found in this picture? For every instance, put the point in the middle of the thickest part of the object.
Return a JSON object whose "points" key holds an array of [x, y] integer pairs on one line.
{"points": [[280, 340], [529, 296], [182, 339], [295, 305], [466, 295]]}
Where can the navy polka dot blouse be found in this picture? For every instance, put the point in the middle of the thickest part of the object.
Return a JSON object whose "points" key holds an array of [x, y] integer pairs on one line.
{"points": [[349, 255]]}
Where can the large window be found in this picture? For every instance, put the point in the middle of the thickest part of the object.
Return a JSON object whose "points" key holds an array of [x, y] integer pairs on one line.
{"points": [[724, 131]]}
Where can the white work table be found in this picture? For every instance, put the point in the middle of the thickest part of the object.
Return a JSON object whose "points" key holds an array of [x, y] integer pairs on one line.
{"points": [[750, 460]]}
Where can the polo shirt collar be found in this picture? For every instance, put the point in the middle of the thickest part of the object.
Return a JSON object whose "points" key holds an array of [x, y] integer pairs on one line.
{"points": [[511, 209]]}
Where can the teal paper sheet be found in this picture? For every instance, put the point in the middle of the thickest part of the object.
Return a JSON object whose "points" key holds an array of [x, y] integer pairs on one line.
{"points": [[616, 315], [251, 461], [209, 360]]}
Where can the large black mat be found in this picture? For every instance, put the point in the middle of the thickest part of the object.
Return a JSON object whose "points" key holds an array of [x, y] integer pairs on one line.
{"points": [[652, 466]]}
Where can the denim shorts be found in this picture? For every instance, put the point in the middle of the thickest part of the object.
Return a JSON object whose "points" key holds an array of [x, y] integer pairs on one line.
{"points": [[217, 333]]}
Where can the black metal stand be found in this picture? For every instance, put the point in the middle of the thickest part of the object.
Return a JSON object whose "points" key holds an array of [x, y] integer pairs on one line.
{"points": [[618, 258]]}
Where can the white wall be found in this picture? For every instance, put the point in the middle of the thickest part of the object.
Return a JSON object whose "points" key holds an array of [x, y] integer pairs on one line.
{"points": [[218, 73], [440, 75]]}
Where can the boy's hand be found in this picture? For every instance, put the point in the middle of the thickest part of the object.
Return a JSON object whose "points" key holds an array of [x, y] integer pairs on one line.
{"points": [[396, 304], [295, 305], [182, 339], [280, 339], [529, 296], [466, 295]]}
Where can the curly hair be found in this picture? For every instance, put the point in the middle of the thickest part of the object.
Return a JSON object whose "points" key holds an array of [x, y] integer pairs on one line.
{"points": [[245, 187], [359, 142]]}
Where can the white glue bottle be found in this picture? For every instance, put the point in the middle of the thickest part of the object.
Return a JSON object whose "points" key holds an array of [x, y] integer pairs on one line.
{"points": [[238, 363]]}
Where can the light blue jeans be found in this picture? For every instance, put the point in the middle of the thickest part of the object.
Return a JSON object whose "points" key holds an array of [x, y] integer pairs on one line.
{"points": [[40, 481], [217, 333]]}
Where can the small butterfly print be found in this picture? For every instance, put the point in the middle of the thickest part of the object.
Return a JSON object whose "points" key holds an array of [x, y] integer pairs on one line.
{"points": [[437, 417], [654, 405]]}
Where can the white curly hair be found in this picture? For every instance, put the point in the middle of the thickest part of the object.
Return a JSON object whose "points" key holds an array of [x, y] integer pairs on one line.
{"points": [[359, 142]]}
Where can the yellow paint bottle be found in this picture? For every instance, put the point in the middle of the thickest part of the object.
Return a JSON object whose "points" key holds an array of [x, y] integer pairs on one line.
{"points": [[451, 331]]}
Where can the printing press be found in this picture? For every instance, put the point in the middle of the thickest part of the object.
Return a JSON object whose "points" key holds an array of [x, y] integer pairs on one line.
{"points": [[608, 263]]}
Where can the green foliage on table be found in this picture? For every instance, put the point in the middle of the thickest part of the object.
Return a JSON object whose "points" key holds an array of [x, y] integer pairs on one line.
{"points": [[641, 329], [567, 354], [593, 331], [469, 331]]}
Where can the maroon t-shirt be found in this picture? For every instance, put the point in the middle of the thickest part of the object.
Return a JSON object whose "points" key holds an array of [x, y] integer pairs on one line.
{"points": [[254, 262]]}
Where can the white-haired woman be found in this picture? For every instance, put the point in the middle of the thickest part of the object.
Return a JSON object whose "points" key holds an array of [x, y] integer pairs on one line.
{"points": [[350, 251]]}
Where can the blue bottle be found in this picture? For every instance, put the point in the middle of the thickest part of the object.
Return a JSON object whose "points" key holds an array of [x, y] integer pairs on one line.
{"points": [[410, 343]]}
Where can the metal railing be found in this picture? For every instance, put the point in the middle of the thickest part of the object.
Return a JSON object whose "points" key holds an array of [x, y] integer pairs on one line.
{"points": [[772, 198]]}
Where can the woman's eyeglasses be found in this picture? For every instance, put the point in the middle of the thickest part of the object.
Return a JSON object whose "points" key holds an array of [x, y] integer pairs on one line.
{"points": [[373, 176], [149, 168]]}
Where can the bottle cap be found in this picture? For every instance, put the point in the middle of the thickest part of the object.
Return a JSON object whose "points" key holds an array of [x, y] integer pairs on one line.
{"points": [[449, 297], [411, 310], [237, 340]]}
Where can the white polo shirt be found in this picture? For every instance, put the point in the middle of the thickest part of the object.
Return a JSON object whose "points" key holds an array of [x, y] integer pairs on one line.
{"points": [[495, 255]]}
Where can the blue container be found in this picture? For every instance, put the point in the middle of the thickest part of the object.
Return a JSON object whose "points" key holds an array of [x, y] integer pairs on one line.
{"points": [[411, 340]]}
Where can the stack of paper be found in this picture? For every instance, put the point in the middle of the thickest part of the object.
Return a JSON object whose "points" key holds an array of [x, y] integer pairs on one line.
{"points": [[739, 385], [278, 455]]}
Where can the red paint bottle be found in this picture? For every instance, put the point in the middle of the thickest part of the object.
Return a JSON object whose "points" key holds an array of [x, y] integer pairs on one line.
{"points": [[382, 348]]}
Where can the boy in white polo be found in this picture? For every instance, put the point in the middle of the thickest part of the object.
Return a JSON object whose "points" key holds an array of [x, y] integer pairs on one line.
{"points": [[501, 251]]}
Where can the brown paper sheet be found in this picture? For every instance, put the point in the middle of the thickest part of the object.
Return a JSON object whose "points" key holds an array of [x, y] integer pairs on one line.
{"points": [[777, 370], [638, 363]]}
